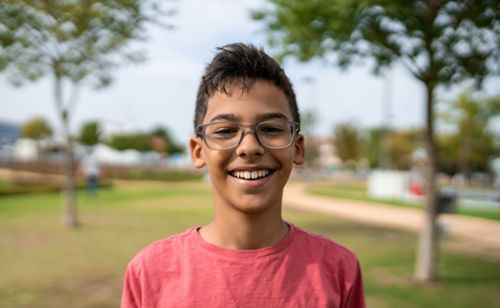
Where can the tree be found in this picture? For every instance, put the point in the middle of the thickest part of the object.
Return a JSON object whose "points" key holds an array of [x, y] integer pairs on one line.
{"points": [[471, 119], [403, 144], [372, 145], [170, 146], [440, 42], [90, 133], [131, 141], [447, 156], [36, 128], [347, 141], [309, 119], [158, 139], [75, 43]]}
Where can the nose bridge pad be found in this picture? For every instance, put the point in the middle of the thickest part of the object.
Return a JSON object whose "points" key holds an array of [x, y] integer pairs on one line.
{"points": [[248, 129], [253, 131]]}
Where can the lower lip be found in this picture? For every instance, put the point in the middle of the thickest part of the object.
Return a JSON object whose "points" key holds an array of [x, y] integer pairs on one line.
{"points": [[253, 183]]}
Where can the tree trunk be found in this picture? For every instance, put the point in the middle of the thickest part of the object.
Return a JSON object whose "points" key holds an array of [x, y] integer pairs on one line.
{"points": [[427, 253], [70, 217]]}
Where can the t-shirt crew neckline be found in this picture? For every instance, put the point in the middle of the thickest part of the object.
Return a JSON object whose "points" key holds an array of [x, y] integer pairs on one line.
{"points": [[227, 253]]}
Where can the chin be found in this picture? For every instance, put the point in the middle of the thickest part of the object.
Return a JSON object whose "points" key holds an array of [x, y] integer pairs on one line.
{"points": [[254, 204]]}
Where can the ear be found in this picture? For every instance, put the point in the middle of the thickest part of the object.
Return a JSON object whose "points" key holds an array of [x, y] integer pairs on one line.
{"points": [[196, 148], [299, 150]]}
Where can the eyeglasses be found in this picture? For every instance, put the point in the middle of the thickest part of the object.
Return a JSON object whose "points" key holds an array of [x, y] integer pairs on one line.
{"points": [[225, 135]]}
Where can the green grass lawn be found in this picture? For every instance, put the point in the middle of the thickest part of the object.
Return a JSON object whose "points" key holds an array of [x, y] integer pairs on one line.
{"points": [[44, 265], [359, 192]]}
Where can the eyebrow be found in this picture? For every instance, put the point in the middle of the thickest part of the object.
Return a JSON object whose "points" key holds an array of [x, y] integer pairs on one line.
{"points": [[261, 117], [226, 116], [270, 116]]}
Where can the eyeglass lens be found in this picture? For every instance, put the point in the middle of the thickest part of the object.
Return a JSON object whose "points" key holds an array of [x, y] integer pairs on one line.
{"points": [[271, 134]]}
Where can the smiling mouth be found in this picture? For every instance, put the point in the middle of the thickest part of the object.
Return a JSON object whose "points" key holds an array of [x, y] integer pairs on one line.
{"points": [[251, 175]]}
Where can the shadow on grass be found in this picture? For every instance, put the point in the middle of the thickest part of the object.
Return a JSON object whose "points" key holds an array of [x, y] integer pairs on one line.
{"points": [[461, 279]]}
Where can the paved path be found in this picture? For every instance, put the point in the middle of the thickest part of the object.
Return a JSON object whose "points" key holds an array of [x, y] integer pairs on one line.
{"points": [[481, 233]]}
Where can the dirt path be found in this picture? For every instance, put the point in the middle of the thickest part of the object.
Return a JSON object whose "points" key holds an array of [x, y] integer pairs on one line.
{"points": [[474, 234], [10, 174]]}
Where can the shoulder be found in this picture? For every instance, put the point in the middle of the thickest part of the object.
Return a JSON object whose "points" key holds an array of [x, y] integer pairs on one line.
{"points": [[326, 249], [332, 261], [159, 253]]}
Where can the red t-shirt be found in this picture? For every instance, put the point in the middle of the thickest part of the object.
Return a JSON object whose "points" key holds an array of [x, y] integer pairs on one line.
{"points": [[302, 270]]}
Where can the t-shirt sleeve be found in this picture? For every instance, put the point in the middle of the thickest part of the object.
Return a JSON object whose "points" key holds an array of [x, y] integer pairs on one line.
{"points": [[356, 295], [131, 295]]}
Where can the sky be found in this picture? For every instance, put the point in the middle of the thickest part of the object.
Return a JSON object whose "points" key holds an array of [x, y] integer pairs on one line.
{"points": [[162, 91]]}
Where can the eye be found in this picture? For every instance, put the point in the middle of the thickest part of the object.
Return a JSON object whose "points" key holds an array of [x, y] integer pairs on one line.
{"points": [[222, 131], [226, 131], [272, 128]]}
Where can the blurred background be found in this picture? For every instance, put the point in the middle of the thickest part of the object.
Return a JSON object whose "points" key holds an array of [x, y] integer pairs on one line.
{"points": [[400, 106]]}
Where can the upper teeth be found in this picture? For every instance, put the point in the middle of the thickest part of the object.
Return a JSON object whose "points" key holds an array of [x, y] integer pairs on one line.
{"points": [[249, 175]]}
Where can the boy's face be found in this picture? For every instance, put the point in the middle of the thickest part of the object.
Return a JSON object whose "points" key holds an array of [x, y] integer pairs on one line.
{"points": [[229, 169]]}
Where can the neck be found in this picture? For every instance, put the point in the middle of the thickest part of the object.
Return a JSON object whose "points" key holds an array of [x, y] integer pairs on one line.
{"points": [[245, 233]]}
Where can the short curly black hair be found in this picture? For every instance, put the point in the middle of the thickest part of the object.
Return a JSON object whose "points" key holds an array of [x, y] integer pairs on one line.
{"points": [[241, 65]]}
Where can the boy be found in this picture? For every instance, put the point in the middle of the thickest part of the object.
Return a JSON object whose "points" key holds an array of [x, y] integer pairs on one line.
{"points": [[247, 135]]}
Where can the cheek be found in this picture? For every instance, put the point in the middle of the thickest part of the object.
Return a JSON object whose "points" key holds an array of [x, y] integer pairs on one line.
{"points": [[286, 160], [217, 162]]}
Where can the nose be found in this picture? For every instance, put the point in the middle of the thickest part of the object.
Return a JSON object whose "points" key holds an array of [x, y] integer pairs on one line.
{"points": [[249, 145]]}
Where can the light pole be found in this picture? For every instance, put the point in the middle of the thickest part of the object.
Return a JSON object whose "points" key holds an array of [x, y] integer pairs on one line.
{"points": [[385, 158]]}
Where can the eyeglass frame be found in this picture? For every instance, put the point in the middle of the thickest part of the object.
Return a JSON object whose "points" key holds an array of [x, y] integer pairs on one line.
{"points": [[252, 128]]}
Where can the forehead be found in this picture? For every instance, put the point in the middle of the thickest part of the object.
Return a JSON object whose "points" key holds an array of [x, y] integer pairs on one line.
{"points": [[262, 98]]}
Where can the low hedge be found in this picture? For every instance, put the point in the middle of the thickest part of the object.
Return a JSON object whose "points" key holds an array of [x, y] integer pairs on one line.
{"points": [[164, 175], [11, 189]]}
